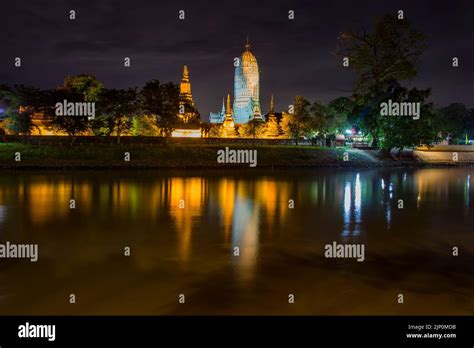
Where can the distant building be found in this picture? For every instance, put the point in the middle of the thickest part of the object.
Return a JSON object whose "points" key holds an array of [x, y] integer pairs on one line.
{"points": [[272, 130], [187, 114], [229, 123], [187, 109]]}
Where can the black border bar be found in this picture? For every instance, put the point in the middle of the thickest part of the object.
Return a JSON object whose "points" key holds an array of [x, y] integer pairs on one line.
{"points": [[222, 330]]}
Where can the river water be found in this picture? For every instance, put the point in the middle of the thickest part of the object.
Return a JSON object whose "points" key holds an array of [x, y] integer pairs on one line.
{"points": [[182, 229]]}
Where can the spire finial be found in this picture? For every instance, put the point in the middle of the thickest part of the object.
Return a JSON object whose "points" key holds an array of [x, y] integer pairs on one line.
{"points": [[271, 105], [185, 73], [247, 45], [227, 109]]}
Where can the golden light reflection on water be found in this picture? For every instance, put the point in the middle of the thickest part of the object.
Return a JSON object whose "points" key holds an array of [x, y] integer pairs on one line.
{"points": [[186, 199], [240, 205], [226, 196], [183, 228]]}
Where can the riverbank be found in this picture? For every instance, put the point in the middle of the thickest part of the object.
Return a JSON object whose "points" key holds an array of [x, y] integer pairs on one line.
{"points": [[195, 156]]}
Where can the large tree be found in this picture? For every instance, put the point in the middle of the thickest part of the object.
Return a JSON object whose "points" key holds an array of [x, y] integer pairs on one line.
{"points": [[390, 52]]}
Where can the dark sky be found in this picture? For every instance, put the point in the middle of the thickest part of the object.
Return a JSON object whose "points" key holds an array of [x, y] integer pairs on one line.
{"points": [[294, 56]]}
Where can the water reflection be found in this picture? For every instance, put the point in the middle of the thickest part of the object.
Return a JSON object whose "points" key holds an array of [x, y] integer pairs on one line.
{"points": [[235, 202], [183, 229], [239, 209], [467, 193], [245, 236], [352, 208]]}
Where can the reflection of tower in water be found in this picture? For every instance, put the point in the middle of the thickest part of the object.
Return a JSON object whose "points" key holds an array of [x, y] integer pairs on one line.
{"points": [[245, 235], [186, 196]]}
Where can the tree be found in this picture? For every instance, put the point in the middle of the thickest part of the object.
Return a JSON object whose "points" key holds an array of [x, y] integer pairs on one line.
{"points": [[101, 125], [77, 89], [340, 114], [119, 106], [319, 121], [144, 125], [454, 121], [168, 117], [70, 124], [21, 123], [389, 53], [254, 128], [151, 96], [402, 131], [469, 124], [367, 110], [299, 121], [87, 86], [21, 103], [161, 100]]}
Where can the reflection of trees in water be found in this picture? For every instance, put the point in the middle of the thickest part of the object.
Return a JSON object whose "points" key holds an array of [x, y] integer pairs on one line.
{"points": [[323, 199]]}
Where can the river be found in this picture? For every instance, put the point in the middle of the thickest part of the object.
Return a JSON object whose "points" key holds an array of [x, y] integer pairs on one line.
{"points": [[182, 230]]}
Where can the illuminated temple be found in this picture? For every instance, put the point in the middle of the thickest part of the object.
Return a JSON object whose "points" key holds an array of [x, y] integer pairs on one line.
{"points": [[235, 119], [246, 104], [188, 116]]}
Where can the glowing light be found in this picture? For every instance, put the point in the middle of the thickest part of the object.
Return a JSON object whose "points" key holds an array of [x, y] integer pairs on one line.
{"points": [[186, 133]]}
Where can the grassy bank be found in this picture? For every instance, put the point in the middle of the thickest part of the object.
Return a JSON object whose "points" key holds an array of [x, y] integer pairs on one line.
{"points": [[171, 156], [183, 156]]}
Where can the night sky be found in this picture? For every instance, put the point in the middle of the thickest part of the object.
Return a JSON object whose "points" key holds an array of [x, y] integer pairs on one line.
{"points": [[294, 56]]}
